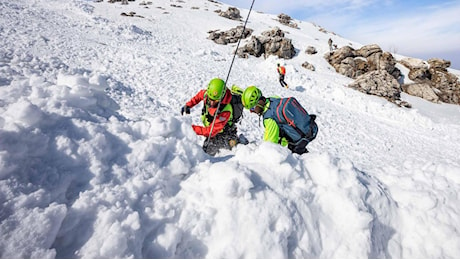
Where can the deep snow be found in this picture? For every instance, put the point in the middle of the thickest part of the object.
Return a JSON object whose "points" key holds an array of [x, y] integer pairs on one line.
{"points": [[97, 162]]}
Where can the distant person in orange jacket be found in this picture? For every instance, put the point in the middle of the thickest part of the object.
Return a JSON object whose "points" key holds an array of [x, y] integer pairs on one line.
{"points": [[282, 73]]}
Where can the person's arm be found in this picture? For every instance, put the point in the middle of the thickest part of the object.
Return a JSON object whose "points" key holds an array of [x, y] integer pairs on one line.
{"points": [[220, 123], [196, 99], [272, 131]]}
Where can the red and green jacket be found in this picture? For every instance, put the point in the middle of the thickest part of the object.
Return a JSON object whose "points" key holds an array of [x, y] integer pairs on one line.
{"points": [[224, 117]]}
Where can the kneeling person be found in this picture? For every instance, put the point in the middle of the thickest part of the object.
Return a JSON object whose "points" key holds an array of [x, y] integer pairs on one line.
{"points": [[286, 122], [224, 132]]}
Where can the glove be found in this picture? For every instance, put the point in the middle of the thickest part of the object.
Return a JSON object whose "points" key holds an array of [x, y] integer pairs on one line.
{"points": [[284, 142], [185, 109]]}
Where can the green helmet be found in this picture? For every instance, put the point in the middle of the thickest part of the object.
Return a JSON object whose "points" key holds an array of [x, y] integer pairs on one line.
{"points": [[216, 89], [250, 97]]}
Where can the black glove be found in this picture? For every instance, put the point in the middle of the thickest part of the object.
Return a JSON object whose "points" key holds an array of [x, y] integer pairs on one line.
{"points": [[185, 109]]}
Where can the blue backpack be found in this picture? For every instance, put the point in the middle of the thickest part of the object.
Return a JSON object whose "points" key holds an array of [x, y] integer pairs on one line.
{"points": [[292, 118]]}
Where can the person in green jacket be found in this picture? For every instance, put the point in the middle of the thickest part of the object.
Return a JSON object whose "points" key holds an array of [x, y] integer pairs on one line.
{"points": [[294, 132]]}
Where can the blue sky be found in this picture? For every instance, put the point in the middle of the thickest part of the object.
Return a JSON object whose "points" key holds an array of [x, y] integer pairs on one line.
{"points": [[416, 28]]}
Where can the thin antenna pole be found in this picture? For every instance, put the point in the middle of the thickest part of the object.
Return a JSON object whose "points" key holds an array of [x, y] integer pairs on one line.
{"points": [[228, 75]]}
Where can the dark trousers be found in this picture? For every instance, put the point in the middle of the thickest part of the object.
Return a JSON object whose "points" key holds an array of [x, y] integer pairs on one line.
{"points": [[283, 84], [225, 140]]}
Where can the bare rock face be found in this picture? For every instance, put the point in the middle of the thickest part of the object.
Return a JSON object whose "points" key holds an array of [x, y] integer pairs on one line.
{"points": [[308, 66], [422, 90], [447, 84], [361, 67], [347, 67], [253, 47], [439, 64], [271, 42], [369, 50], [354, 63], [379, 83], [383, 61], [374, 70], [434, 75], [311, 50], [414, 63], [286, 20], [419, 75], [230, 36], [336, 57], [232, 13]]}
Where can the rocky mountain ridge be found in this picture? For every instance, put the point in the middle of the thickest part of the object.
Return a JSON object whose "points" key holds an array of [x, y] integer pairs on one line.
{"points": [[374, 70]]}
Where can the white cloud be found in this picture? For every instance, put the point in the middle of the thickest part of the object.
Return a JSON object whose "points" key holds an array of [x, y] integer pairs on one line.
{"points": [[419, 31]]}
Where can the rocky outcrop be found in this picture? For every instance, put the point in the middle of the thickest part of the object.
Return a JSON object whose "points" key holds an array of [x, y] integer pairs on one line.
{"points": [[308, 66], [335, 59], [439, 64], [368, 50], [422, 90], [230, 36], [271, 42], [432, 81], [419, 75], [131, 14], [414, 63], [311, 50], [374, 70], [286, 20], [232, 13], [354, 63], [379, 83]]}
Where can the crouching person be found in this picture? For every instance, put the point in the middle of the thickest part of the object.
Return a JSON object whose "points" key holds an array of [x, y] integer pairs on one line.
{"points": [[223, 133], [286, 122]]}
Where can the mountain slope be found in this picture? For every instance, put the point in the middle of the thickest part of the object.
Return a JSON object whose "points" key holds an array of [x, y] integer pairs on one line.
{"points": [[96, 161]]}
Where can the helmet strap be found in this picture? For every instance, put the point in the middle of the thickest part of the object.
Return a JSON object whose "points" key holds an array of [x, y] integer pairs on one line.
{"points": [[261, 105]]}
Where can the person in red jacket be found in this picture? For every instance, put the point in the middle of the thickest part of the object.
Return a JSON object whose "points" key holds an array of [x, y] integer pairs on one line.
{"points": [[223, 132], [282, 72]]}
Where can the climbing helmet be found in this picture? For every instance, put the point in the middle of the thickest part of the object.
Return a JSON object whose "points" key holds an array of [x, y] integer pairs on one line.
{"points": [[216, 89], [250, 97]]}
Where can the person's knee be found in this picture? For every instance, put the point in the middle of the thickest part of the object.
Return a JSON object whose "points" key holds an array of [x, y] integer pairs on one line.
{"points": [[300, 147]]}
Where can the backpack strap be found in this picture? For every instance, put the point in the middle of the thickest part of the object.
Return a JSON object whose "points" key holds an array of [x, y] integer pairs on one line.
{"points": [[222, 108]]}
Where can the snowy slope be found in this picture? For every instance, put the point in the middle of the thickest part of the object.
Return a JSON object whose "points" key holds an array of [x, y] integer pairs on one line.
{"points": [[97, 162]]}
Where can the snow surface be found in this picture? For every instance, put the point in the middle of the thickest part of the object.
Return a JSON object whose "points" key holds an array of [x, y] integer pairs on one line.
{"points": [[97, 162]]}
